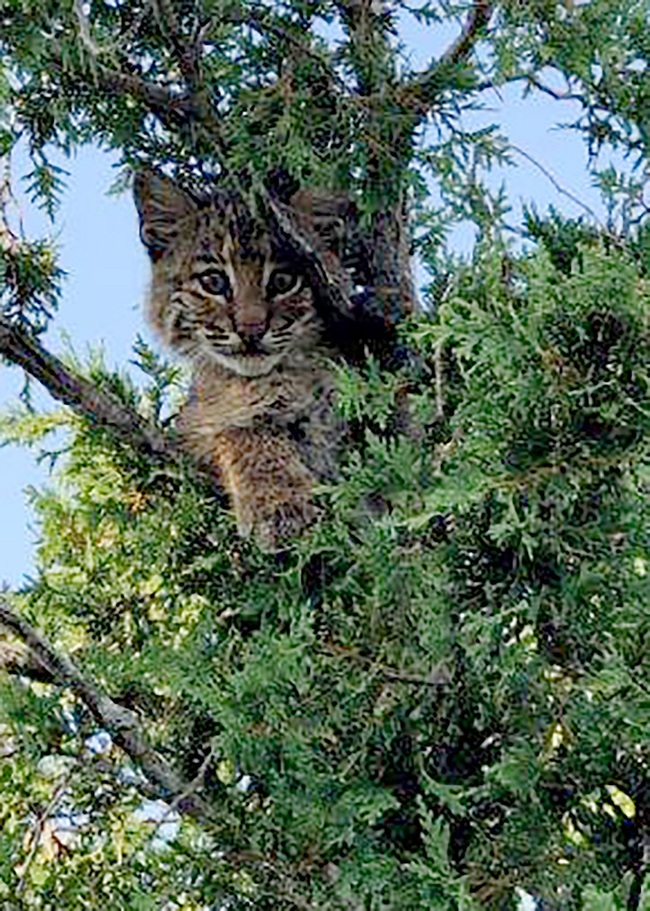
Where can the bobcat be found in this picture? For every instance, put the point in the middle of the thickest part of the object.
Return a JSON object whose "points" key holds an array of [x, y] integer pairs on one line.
{"points": [[231, 297]]}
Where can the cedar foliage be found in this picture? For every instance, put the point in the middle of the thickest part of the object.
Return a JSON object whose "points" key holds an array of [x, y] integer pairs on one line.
{"points": [[440, 695]]}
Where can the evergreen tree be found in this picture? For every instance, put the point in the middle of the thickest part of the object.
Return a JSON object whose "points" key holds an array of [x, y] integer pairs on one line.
{"points": [[440, 695]]}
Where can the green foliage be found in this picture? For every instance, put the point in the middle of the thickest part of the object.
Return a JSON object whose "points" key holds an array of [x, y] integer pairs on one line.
{"points": [[30, 283], [436, 697]]}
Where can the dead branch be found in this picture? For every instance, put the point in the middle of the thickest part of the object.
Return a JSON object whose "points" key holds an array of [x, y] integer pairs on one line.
{"points": [[556, 184], [194, 785], [121, 723]]}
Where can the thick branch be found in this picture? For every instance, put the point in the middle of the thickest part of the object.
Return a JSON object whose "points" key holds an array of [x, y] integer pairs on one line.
{"points": [[388, 129], [95, 405], [121, 723], [81, 395]]}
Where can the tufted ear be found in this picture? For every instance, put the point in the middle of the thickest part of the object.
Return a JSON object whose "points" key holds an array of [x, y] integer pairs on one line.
{"points": [[325, 215], [162, 207]]}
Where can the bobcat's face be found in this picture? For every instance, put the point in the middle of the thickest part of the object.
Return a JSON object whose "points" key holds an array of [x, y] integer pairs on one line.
{"points": [[223, 289]]}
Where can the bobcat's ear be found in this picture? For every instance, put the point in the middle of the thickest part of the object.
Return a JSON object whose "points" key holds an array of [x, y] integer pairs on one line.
{"points": [[162, 207], [326, 215]]}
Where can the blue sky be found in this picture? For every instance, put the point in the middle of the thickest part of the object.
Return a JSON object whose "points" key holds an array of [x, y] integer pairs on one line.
{"points": [[107, 269]]}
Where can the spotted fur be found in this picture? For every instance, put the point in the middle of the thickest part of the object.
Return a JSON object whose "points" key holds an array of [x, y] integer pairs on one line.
{"points": [[227, 294]]}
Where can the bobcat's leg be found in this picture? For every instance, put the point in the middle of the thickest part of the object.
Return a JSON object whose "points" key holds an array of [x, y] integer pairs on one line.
{"points": [[269, 486]]}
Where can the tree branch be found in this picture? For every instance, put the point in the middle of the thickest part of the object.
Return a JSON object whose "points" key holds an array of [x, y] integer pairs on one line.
{"points": [[18, 661], [121, 723], [477, 21], [263, 22], [37, 832], [439, 677], [81, 395], [558, 186], [186, 48], [420, 93], [175, 110], [123, 726]]}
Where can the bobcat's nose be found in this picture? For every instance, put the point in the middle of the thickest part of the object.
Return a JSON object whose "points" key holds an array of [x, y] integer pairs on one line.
{"points": [[250, 316], [252, 331]]}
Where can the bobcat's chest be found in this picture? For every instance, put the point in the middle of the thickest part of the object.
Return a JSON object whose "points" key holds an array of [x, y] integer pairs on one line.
{"points": [[221, 401]]}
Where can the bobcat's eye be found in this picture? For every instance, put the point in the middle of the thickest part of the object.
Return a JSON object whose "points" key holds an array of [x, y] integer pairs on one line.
{"points": [[283, 281], [215, 282]]}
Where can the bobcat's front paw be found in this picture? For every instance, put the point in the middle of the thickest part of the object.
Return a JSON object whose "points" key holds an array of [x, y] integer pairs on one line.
{"points": [[273, 525], [288, 520]]}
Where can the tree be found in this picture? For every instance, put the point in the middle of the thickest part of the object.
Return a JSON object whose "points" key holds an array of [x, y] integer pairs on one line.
{"points": [[439, 696]]}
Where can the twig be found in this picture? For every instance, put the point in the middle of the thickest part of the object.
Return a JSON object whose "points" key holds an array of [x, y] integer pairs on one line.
{"points": [[531, 79], [191, 788], [439, 676], [558, 186], [439, 380], [261, 21], [37, 832], [121, 723]]}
